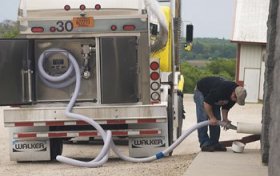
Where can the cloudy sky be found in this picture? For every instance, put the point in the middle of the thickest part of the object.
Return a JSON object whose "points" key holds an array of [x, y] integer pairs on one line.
{"points": [[211, 18]]}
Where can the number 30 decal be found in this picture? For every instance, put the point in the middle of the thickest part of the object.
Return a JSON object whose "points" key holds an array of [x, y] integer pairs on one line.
{"points": [[61, 26]]}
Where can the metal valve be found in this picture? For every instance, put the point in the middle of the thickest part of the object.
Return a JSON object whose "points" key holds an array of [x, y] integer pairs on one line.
{"points": [[87, 50]]}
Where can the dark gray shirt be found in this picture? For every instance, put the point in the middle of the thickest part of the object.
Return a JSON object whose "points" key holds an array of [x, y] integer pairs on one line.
{"points": [[217, 91]]}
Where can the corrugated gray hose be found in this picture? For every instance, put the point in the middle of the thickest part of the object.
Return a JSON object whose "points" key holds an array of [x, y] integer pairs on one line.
{"points": [[161, 40], [106, 135]]}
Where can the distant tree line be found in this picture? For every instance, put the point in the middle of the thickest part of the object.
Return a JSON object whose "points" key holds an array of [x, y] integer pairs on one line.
{"points": [[218, 67], [9, 29], [218, 56], [210, 48]]}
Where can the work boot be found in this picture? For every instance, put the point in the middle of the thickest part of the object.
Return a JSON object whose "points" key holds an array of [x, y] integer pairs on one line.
{"points": [[208, 148], [219, 147]]}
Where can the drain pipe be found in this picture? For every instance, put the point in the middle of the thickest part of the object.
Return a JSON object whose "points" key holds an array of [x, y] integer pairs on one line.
{"points": [[106, 135], [249, 128], [238, 145]]}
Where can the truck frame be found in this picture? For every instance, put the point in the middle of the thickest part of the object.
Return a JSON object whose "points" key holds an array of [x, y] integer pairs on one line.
{"points": [[131, 81]]}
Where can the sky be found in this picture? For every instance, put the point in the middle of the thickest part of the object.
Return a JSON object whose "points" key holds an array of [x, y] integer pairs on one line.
{"points": [[211, 18]]}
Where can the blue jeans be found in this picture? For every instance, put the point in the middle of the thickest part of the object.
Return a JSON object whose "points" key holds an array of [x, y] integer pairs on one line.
{"points": [[203, 136]]}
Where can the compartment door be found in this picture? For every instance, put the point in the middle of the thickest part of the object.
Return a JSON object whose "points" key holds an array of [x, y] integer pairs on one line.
{"points": [[119, 78], [15, 72]]}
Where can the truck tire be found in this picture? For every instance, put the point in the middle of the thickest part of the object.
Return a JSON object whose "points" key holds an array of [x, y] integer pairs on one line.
{"points": [[56, 146], [181, 115], [170, 122]]}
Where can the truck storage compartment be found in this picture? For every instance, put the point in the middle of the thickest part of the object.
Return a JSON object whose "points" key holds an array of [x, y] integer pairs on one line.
{"points": [[16, 72], [119, 79], [56, 64]]}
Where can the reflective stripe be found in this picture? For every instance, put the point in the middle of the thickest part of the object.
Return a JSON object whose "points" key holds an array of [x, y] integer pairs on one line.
{"points": [[144, 132], [70, 123]]}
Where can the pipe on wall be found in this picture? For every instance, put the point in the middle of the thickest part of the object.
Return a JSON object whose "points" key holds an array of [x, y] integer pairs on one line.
{"points": [[249, 128]]}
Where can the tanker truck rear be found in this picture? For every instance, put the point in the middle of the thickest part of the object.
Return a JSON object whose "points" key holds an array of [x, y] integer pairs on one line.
{"points": [[127, 54]]}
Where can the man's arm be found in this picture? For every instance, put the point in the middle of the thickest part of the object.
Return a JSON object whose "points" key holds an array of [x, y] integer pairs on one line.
{"points": [[209, 112], [225, 115], [225, 110]]}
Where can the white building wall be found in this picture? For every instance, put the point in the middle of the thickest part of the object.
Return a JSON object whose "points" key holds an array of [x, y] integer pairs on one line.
{"points": [[250, 21], [250, 57]]}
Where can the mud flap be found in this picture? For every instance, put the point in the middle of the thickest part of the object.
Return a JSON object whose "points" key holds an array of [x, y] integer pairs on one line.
{"points": [[29, 150], [24, 150], [146, 146]]}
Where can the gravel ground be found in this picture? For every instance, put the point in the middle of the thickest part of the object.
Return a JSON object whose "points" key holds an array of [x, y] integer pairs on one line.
{"points": [[169, 166]]}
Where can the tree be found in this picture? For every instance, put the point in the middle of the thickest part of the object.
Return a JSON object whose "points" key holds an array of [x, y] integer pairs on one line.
{"points": [[223, 67], [220, 67], [192, 75], [9, 29], [210, 48]]}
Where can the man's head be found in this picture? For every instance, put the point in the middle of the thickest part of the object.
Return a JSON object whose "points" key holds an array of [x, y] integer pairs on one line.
{"points": [[239, 95]]}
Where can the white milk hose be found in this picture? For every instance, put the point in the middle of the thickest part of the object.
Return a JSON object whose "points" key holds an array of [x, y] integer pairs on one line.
{"points": [[154, 9], [106, 135]]}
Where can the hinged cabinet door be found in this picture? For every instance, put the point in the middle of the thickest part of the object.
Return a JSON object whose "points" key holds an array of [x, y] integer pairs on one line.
{"points": [[16, 72], [119, 77]]}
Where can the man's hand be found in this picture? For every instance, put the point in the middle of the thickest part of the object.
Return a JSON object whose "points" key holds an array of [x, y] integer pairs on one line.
{"points": [[228, 125], [213, 121]]}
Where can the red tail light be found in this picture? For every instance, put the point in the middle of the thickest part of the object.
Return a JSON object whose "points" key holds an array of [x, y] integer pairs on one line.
{"points": [[37, 29], [52, 29], [155, 76], [114, 27], [129, 27], [97, 7], [67, 7], [154, 65], [82, 7]]}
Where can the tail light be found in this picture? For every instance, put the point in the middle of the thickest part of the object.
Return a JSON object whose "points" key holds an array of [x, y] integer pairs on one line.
{"points": [[155, 86], [97, 7], [37, 29], [155, 76], [114, 27], [155, 81], [129, 27], [154, 65], [52, 29], [155, 96], [82, 7], [67, 7]]}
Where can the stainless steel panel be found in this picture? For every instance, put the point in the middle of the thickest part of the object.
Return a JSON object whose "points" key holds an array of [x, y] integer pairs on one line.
{"points": [[16, 72], [119, 65], [88, 91], [144, 72], [100, 25]]}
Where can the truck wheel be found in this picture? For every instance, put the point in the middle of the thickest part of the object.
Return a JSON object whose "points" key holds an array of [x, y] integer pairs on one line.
{"points": [[56, 146], [170, 123], [180, 115]]}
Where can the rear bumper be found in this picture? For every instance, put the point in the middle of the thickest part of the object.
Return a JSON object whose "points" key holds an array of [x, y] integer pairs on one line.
{"points": [[54, 116]]}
